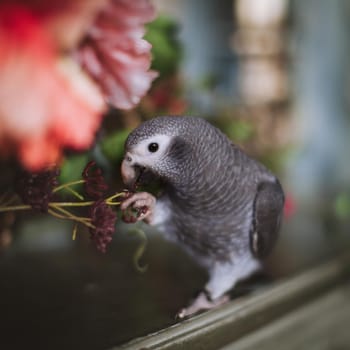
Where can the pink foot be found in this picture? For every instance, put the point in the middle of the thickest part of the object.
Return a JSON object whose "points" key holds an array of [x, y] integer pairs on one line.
{"points": [[143, 202], [202, 302]]}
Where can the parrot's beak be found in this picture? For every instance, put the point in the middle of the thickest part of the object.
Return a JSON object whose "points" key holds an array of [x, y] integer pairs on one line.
{"points": [[131, 172]]}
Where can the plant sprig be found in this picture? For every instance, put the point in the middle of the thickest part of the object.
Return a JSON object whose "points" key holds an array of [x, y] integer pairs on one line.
{"points": [[91, 207]]}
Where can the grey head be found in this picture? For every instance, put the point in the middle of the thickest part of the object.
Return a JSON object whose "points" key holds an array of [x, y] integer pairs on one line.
{"points": [[173, 126], [168, 147]]}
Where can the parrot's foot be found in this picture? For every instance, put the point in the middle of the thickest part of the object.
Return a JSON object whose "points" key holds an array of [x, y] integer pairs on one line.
{"points": [[202, 302], [144, 202]]}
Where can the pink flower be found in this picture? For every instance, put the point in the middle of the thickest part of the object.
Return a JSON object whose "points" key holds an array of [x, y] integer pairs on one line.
{"points": [[47, 101], [115, 54], [289, 206], [95, 184], [36, 189], [103, 218]]}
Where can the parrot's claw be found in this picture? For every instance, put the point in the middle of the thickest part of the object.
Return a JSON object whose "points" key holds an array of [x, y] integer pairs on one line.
{"points": [[144, 202], [202, 302]]}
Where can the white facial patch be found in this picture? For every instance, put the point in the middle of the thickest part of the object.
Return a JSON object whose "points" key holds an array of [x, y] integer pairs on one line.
{"points": [[142, 154]]}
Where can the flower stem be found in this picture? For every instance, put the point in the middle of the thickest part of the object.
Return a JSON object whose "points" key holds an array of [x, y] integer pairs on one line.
{"points": [[72, 204], [140, 250], [119, 194], [68, 215], [74, 233], [110, 199], [112, 203], [68, 184], [15, 207], [74, 193]]}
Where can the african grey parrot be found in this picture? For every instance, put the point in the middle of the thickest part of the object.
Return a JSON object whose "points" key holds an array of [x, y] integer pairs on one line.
{"points": [[220, 205]]}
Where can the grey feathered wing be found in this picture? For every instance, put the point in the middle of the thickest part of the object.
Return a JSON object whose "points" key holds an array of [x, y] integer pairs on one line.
{"points": [[267, 217]]}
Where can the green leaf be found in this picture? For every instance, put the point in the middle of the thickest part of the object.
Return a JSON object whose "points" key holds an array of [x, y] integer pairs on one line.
{"points": [[342, 206], [166, 48], [112, 146], [240, 130], [73, 167]]}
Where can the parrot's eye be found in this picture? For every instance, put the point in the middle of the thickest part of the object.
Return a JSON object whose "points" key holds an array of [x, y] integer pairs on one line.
{"points": [[153, 147]]}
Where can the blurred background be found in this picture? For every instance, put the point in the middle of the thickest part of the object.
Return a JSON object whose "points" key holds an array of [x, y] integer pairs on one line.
{"points": [[274, 76]]}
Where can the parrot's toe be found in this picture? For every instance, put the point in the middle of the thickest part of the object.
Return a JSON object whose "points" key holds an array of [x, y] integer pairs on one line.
{"points": [[142, 201], [201, 303]]}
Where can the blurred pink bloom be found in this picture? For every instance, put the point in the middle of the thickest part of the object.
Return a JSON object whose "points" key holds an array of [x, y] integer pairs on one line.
{"points": [[289, 206], [115, 54], [47, 101]]}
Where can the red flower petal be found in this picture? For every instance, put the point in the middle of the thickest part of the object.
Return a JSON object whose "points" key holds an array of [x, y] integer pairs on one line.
{"points": [[43, 108], [46, 102]]}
